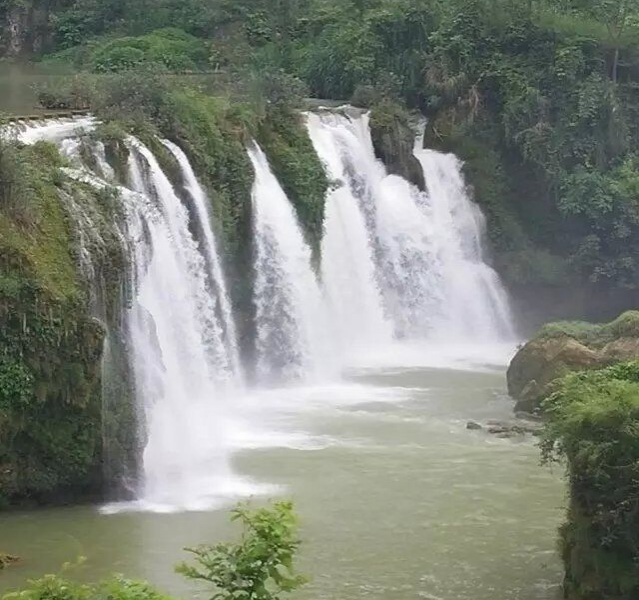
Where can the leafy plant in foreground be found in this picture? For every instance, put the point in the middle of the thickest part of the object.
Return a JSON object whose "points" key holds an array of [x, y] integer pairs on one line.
{"points": [[260, 565]]}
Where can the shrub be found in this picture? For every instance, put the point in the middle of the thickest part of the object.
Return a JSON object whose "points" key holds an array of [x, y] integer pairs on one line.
{"points": [[53, 587], [625, 325], [260, 565], [66, 93], [593, 424], [172, 48]]}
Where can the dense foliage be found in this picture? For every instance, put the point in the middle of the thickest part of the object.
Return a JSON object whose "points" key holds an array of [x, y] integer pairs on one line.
{"points": [[595, 334], [52, 587], [540, 98], [593, 423]]}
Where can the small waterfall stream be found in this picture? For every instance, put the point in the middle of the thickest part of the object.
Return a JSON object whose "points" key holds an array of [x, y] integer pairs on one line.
{"points": [[425, 249], [182, 367], [292, 335], [476, 305], [348, 266], [209, 249]]}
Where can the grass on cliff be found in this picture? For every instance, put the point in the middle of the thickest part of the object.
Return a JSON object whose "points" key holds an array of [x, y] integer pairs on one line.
{"points": [[626, 325], [34, 229]]}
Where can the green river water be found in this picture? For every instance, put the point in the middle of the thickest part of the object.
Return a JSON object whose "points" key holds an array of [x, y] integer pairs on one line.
{"points": [[397, 499]]}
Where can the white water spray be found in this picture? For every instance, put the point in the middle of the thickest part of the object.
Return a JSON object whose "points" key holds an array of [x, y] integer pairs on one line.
{"points": [[427, 247]]}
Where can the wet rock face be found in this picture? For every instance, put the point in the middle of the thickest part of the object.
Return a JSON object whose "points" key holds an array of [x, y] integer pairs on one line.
{"points": [[394, 147], [25, 29], [393, 141], [554, 353]]}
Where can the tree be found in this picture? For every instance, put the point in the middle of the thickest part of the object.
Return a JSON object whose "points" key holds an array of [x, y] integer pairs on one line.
{"points": [[260, 565], [618, 16]]}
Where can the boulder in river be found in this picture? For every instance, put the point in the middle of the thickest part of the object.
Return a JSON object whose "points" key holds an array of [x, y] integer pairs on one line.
{"points": [[560, 348], [507, 429]]}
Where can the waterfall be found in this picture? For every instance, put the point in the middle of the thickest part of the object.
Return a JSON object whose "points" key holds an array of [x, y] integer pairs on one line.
{"points": [[396, 264], [181, 344], [209, 250], [425, 249], [181, 365], [476, 303], [348, 266], [291, 330]]}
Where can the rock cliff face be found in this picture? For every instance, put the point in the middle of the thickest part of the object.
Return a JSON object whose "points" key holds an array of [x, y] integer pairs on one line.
{"points": [[393, 140], [560, 348], [25, 27]]}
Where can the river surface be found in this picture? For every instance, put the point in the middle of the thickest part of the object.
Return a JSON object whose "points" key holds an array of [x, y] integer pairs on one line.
{"points": [[398, 500]]}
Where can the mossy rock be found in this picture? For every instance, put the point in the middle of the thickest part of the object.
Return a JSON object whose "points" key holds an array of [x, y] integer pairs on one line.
{"points": [[564, 347], [542, 361], [50, 344], [394, 140], [285, 140]]}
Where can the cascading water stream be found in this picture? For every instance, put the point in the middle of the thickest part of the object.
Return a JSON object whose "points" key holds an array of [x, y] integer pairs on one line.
{"points": [[182, 370], [209, 249], [477, 305], [293, 342], [426, 247], [348, 266]]}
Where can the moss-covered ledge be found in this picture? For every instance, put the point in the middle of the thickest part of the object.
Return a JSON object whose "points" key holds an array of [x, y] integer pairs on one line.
{"points": [[285, 140]]}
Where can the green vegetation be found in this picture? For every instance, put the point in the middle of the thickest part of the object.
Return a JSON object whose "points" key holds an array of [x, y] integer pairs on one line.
{"points": [[50, 347], [593, 424], [171, 48], [285, 141], [538, 98], [595, 335], [52, 587], [258, 567]]}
